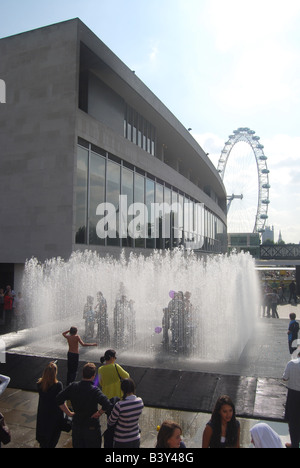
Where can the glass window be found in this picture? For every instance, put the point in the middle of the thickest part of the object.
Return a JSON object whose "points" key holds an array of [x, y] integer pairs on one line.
{"points": [[129, 124], [125, 127], [112, 196], [168, 217], [153, 138], [145, 135], [81, 196], [150, 241], [149, 138], [97, 195], [191, 222], [174, 221], [159, 218], [140, 131], [134, 127], [180, 220], [125, 121], [187, 220], [126, 190], [192, 226], [139, 197], [197, 224]]}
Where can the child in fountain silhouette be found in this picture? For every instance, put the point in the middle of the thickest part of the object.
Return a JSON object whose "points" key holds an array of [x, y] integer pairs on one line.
{"points": [[102, 319], [74, 341], [89, 316]]}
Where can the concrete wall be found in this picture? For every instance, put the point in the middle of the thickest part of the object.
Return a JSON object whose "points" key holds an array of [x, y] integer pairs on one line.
{"points": [[37, 142], [105, 105]]}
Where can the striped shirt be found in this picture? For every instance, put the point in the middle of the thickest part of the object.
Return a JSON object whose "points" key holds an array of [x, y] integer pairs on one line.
{"points": [[125, 417]]}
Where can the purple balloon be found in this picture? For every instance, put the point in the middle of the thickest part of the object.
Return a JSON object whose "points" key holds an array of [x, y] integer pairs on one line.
{"points": [[158, 330], [172, 294]]}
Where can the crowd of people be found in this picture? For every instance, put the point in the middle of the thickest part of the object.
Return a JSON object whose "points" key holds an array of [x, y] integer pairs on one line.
{"points": [[272, 297], [95, 316], [110, 390], [181, 319], [76, 409], [12, 310]]}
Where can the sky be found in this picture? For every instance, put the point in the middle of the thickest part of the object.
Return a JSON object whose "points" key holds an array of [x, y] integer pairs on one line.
{"points": [[217, 65]]}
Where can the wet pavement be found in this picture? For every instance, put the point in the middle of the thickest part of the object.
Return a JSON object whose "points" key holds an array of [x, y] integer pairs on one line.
{"points": [[19, 408], [263, 362]]}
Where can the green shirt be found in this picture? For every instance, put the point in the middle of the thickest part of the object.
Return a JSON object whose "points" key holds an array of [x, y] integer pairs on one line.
{"points": [[110, 381]]}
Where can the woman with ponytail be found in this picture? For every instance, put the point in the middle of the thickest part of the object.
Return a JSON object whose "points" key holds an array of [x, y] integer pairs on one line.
{"points": [[111, 374], [125, 417]]}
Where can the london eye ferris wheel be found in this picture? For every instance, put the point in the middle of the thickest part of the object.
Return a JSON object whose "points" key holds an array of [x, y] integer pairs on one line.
{"points": [[243, 169]]}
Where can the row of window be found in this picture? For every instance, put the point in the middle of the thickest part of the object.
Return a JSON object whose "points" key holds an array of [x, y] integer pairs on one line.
{"points": [[139, 131], [103, 178]]}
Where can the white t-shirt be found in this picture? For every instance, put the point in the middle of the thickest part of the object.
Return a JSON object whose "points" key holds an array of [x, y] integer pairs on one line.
{"points": [[292, 374]]}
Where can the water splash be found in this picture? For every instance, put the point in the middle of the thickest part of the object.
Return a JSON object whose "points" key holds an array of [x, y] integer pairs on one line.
{"points": [[224, 294]]}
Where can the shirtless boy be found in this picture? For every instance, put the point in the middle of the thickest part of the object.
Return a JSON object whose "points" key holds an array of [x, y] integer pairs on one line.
{"points": [[74, 341]]}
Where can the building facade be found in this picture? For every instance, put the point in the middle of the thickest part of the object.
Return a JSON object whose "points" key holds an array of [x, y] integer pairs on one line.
{"points": [[79, 129], [244, 242], [268, 234]]}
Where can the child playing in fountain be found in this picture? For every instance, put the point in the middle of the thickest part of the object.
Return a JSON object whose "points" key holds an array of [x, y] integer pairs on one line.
{"points": [[74, 341]]}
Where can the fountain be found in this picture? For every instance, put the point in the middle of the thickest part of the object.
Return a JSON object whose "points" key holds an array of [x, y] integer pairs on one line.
{"points": [[227, 351], [223, 293]]}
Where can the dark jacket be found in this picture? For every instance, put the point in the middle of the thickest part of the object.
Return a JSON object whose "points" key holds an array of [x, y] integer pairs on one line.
{"points": [[85, 398]]}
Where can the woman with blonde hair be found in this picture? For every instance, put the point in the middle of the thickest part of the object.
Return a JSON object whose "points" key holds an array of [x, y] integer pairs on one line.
{"points": [[49, 415]]}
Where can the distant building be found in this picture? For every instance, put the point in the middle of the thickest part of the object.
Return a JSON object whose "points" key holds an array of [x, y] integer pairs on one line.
{"points": [[268, 235], [245, 242]]}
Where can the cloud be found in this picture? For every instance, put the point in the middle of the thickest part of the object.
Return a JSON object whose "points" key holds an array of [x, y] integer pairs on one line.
{"points": [[153, 52], [148, 64], [235, 25], [211, 144], [259, 80], [257, 52]]}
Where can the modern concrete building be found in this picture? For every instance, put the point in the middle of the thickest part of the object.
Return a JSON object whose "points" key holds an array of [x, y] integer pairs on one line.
{"points": [[78, 128]]}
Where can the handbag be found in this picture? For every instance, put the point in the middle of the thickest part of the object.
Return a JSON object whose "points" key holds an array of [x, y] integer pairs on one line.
{"points": [[108, 435], [5, 436]]}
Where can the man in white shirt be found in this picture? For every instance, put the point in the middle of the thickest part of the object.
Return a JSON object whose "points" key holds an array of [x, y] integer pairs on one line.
{"points": [[292, 410]]}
